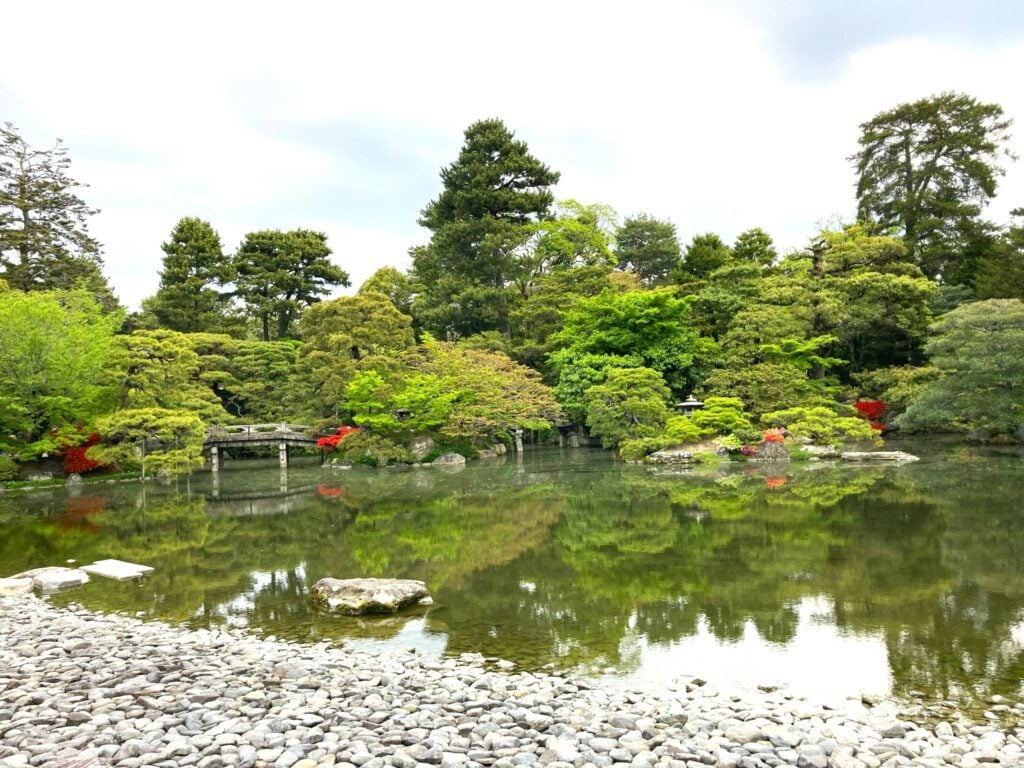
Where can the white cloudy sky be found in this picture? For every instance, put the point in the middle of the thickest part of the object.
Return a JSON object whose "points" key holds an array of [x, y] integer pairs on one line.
{"points": [[338, 116]]}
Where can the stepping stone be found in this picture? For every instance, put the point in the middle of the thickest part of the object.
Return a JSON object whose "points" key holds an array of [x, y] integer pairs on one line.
{"points": [[117, 569], [16, 586], [54, 577]]}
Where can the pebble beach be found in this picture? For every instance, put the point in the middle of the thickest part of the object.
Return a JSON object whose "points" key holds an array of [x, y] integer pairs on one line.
{"points": [[80, 689]]}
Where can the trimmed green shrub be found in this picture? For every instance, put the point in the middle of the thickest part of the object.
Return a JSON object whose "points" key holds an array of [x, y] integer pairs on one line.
{"points": [[8, 468], [373, 450]]}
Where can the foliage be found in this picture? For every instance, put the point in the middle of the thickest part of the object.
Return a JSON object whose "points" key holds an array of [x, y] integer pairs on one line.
{"points": [[763, 387], [1000, 273], [193, 264], [74, 455], [493, 192], [345, 335], [631, 403], [577, 236], [754, 246], [638, 448], [704, 254], [898, 386], [55, 350], [579, 374], [152, 439], [539, 315], [394, 284], [373, 450], [161, 369], [278, 274], [45, 243], [979, 351], [822, 425], [648, 247], [8, 468], [928, 165], [721, 415], [652, 325], [330, 442], [683, 429]]}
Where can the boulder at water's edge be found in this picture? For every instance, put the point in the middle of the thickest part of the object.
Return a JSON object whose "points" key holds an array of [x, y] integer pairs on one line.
{"points": [[357, 596]]}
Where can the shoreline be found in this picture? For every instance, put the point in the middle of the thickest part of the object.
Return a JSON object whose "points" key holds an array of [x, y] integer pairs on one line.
{"points": [[105, 689]]}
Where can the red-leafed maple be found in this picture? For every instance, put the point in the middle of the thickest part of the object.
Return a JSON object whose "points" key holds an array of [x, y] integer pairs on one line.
{"points": [[331, 441]]}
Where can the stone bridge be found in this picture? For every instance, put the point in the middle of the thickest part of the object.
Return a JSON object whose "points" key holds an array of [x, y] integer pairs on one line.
{"points": [[282, 435]]}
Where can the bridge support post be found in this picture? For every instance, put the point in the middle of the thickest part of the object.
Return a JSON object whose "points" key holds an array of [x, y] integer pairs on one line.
{"points": [[215, 458], [282, 455]]}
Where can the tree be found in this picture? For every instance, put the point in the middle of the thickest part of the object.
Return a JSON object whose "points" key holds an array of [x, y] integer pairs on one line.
{"points": [[492, 193], [152, 439], [55, 351], [926, 166], [394, 284], [649, 247], [344, 335], [45, 243], [278, 274], [652, 325], [1001, 273], [161, 369], [578, 236], [979, 350], [194, 263], [703, 255], [755, 246], [631, 403]]}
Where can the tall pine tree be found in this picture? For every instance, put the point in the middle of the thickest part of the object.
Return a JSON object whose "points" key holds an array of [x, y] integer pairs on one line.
{"points": [[492, 193]]}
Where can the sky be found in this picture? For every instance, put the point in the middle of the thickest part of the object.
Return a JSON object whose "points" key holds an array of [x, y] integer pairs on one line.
{"points": [[720, 115]]}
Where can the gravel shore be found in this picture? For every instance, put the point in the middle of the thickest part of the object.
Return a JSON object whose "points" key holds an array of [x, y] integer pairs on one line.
{"points": [[84, 689]]}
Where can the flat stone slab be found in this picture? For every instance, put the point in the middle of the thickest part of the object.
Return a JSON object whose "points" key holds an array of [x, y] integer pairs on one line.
{"points": [[354, 597], [117, 569], [877, 456], [54, 577], [16, 586], [676, 456]]}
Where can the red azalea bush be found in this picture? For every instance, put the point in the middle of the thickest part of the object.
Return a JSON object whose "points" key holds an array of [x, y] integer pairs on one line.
{"points": [[774, 436], [75, 460], [873, 411], [331, 442]]}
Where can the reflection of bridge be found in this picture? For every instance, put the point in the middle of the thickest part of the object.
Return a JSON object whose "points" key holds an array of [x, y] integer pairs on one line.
{"points": [[284, 436]]}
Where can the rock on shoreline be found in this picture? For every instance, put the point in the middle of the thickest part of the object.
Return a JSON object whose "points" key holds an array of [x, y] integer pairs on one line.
{"points": [[109, 690]]}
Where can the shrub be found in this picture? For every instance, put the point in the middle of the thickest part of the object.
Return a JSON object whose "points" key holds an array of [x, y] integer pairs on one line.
{"points": [[822, 425], [683, 429], [8, 468], [722, 415], [634, 450], [372, 450]]}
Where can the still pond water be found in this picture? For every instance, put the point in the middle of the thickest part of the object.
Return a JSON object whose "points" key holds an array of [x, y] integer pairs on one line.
{"points": [[829, 580]]}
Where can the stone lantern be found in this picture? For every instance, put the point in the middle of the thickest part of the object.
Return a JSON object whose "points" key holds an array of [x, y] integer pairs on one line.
{"points": [[689, 405]]}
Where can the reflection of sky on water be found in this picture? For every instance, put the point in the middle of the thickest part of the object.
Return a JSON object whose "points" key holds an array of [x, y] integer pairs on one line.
{"points": [[820, 661], [414, 634], [236, 612]]}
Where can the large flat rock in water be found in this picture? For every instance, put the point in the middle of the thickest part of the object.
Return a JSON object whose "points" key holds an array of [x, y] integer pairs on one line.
{"points": [[116, 569], [16, 586], [877, 456], [54, 577], [358, 596]]}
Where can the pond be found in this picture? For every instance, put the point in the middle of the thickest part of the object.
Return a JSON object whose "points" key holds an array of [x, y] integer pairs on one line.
{"points": [[831, 580]]}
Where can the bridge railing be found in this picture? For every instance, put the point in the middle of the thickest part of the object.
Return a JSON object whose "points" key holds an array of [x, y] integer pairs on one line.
{"points": [[244, 431]]}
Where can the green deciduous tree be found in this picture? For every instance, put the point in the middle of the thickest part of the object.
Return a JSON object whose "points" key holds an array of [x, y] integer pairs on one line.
{"points": [[652, 325], [278, 274], [927, 166], [55, 351], [979, 350], [193, 266], [648, 247], [44, 234], [493, 192], [577, 235]]}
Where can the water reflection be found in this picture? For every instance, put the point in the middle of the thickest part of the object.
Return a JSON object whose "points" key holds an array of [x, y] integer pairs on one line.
{"points": [[830, 580]]}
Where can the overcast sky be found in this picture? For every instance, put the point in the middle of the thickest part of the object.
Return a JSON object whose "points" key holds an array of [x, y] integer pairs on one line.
{"points": [[338, 116]]}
